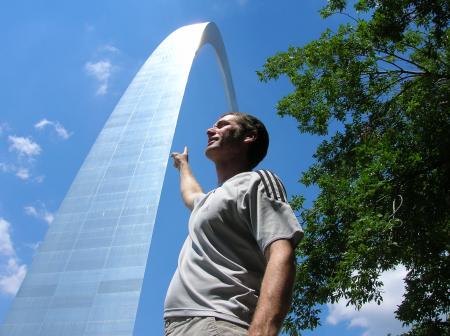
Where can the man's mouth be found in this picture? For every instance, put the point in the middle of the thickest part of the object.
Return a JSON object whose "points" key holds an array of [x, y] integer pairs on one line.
{"points": [[210, 141]]}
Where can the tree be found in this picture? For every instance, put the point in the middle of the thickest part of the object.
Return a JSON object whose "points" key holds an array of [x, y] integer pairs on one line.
{"points": [[384, 175]]}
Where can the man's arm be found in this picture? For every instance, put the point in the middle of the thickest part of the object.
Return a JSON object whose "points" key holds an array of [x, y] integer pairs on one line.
{"points": [[188, 184], [276, 289]]}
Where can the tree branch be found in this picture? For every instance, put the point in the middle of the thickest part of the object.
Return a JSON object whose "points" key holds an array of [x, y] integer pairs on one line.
{"points": [[392, 63], [390, 85], [347, 15], [403, 59], [387, 72]]}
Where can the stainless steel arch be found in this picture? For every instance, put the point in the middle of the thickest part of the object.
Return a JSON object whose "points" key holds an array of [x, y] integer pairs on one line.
{"points": [[87, 275]]}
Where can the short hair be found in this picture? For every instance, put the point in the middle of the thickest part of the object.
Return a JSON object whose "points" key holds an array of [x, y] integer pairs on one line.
{"points": [[248, 123]]}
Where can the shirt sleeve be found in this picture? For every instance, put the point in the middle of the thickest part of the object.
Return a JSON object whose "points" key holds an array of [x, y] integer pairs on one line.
{"points": [[197, 198], [270, 215]]}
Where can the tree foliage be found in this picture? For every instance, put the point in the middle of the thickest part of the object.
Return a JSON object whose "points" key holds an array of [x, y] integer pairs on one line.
{"points": [[384, 175]]}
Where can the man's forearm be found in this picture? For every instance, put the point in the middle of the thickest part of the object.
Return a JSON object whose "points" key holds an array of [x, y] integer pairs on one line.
{"points": [[276, 291], [189, 186]]}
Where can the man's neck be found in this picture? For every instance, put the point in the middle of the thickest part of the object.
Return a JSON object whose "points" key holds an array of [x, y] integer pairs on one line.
{"points": [[226, 170]]}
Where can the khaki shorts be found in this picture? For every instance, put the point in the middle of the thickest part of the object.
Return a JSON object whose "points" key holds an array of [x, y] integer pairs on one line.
{"points": [[201, 326]]}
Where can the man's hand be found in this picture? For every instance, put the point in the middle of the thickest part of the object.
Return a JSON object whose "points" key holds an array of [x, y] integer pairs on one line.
{"points": [[180, 158], [188, 184]]}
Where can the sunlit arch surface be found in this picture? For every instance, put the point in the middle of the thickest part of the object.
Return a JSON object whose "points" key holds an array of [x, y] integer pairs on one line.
{"points": [[87, 275]]}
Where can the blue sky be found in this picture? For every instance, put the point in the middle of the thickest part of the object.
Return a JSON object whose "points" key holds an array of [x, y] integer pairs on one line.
{"points": [[64, 65]]}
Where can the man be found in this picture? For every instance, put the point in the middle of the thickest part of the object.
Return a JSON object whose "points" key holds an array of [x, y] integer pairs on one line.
{"points": [[237, 266]]}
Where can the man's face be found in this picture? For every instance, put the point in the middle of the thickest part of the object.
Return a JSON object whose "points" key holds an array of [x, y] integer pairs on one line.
{"points": [[225, 139]]}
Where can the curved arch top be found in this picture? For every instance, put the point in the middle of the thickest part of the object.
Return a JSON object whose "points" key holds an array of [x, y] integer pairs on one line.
{"points": [[95, 252], [212, 36], [184, 43]]}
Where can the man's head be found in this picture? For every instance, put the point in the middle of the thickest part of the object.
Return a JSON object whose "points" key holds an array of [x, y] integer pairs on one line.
{"points": [[236, 133]]}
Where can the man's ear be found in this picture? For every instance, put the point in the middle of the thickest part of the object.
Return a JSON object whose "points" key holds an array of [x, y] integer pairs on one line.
{"points": [[250, 137]]}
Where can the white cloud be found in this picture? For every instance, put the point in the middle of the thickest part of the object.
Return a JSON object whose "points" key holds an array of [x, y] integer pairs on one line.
{"points": [[101, 71], [59, 128], [24, 146], [374, 319], [31, 211], [12, 272], [41, 124], [102, 89], [6, 168], [6, 246], [23, 173], [20, 172], [40, 213], [109, 48], [33, 246], [11, 276], [49, 217], [39, 179]]}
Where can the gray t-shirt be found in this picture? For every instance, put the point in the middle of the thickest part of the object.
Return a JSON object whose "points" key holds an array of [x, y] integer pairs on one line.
{"points": [[222, 263]]}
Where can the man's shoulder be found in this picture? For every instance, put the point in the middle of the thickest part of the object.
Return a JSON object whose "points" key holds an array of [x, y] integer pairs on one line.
{"points": [[262, 180], [271, 185], [255, 176]]}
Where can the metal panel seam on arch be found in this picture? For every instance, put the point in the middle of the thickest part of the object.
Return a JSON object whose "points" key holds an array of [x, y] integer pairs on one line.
{"points": [[87, 274]]}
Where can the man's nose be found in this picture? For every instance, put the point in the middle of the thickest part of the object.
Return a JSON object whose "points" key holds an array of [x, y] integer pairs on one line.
{"points": [[210, 131]]}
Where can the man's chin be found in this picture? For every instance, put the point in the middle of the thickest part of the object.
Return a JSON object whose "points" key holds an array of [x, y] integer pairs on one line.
{"points": [[210, 152]]}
